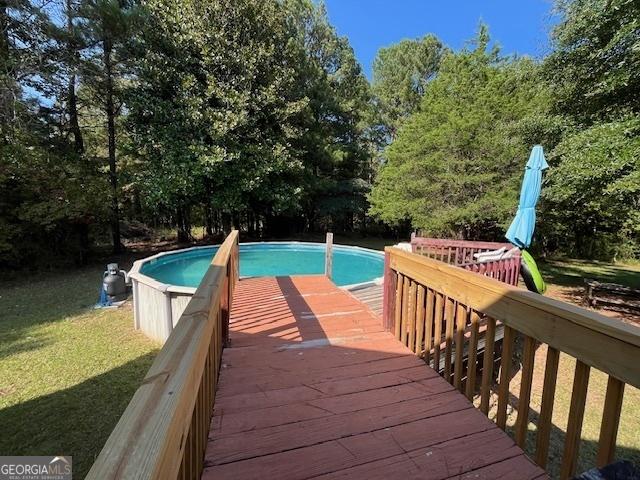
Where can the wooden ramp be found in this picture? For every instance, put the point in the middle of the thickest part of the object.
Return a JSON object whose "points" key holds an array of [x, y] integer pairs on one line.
{"points": [[312, 386]]}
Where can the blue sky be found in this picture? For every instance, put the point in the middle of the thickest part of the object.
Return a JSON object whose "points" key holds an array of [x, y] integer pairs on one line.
{"points": [[518, 26]]}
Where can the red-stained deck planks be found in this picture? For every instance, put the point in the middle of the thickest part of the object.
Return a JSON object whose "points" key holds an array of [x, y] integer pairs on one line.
{"points": [[312, 386]]}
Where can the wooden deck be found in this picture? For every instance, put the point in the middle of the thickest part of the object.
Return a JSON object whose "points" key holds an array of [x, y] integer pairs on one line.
{"points": [[312, 386]]}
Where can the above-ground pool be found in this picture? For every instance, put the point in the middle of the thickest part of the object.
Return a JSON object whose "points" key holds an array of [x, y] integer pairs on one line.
{"points": [[164, 283], [350, 264]]}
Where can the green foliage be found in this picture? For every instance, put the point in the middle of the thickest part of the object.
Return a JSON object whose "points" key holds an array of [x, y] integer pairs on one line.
{"points": [[256, 113], [247, 105], [591, 201], [401, 73], [250, 112], [455, 166], [593, 193], [51, 198], [595, 66], [335, 147]]}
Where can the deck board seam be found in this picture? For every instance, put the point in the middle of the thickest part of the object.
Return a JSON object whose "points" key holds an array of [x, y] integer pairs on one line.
{"points": [[403, 457], [467, 472], [341, 379], [308, 403], [328, 394], [212, 440], [404, 451]]}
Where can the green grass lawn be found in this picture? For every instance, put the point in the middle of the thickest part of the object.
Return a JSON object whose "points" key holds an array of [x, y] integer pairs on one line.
{"points": [[67, 372], [570, 273], [565, 281]]}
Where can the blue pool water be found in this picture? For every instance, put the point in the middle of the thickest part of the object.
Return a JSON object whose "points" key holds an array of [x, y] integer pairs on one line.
{"points": [[350, 265]]}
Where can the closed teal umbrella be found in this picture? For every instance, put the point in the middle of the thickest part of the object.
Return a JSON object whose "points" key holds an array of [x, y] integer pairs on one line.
{"points": [[521, 230]]}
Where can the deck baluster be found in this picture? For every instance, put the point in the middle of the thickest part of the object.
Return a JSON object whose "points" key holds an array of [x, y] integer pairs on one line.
{"points": [[546, 408], [473, 355], [487, 365]]}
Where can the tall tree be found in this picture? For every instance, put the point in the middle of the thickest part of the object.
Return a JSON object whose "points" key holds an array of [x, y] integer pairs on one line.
{"points": [[50, 196], [7, 83], [334, 147], [214, 107], [455, 166], [24, 48], [251, 108], [401, 73], [591, 201], [593, 189], [72, 51], [595, 65], [107, 28]]}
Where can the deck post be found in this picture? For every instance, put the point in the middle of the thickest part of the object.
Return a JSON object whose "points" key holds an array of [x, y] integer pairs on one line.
{"points": [[388, 293], [328, 260]]}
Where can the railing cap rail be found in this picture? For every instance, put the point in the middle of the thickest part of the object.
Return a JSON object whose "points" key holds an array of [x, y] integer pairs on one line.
{"points": [[147, 439], [587, 318], [447, 242]]}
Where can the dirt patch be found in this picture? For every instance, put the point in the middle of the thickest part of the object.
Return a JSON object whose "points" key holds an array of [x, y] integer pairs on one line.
{"points": [[575, 295]]}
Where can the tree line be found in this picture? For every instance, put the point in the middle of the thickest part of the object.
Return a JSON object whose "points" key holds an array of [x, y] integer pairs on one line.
{"points": [[463, 124], [256, 114], [216, 113]]}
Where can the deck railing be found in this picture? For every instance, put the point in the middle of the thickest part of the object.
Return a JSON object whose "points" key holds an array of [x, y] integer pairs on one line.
{"points": [[163, 432], [438, 310], [461, 253]]}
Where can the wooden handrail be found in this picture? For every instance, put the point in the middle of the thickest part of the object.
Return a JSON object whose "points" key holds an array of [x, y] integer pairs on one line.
{"points": [[459, 307], [446, 242], [163, 431]]}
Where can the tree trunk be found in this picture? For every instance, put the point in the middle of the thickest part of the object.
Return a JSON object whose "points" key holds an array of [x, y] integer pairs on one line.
{"points": [[83, 241], [226, 223], [111, 131], [4, 30], [137, 205], [208, 220], [251, 224], [184, 224], [72, 99], [74, 125], [6, 83], [208, 209]]}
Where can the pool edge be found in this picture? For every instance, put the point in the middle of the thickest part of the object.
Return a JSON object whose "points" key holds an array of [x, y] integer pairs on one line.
{"points": [[157, 306]]}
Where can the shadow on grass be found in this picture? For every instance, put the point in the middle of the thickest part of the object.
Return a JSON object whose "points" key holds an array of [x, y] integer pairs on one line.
{"points": [[75, 421], [27, 305], [30, 299], [588, 448], [14, 343], [571, 273]]}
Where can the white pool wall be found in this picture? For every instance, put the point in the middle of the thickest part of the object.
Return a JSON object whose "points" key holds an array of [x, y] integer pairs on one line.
{"points": [[157, 306]]}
